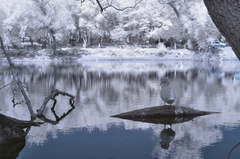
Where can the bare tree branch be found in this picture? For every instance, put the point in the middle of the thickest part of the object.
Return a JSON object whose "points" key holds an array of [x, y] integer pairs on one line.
{"points": [[28, 103], [3, 77], [41, 4], [52, 96], [171, 3], [100, 5], [6, 85], [19, 83], [108, 18], [122, 9], [110, 5], [46, 120], [232, 150]]}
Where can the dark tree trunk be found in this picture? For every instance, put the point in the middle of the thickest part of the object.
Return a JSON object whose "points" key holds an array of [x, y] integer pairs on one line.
{"points": [[226, 16], [54, 45]]}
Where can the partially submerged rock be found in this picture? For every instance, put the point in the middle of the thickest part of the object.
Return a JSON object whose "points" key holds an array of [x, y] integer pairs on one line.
{"points": [[163, 114]]}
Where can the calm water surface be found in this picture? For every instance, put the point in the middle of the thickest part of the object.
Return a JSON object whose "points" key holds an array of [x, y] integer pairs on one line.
{"points": [[107, 88]]}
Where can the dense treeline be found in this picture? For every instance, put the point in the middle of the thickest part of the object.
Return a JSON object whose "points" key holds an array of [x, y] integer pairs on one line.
{"points": [[143, 23]]}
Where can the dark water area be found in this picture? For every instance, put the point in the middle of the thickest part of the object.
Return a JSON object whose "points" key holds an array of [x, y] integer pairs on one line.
{"points": [[106, 88]]}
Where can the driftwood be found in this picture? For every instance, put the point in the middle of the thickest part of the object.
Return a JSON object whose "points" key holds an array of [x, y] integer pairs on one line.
{"points": [[163, 114], [11, 129], [20, 86], [163, 120], [52, 96]]}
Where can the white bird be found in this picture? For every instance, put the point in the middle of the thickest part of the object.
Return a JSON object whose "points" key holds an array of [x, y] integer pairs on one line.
{"points": [[167, 94]]}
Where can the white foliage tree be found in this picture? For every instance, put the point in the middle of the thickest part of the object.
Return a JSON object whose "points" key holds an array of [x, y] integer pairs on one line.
{"points": [[38, 17], [149, 19], [56, 19], [15, 21], [193, 17]]}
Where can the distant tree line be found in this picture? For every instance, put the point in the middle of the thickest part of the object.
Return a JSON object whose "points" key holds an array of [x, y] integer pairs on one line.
{"points": [[143, 23]]}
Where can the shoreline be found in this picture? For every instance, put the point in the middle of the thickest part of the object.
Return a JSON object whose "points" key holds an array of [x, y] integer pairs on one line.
{"points": [[78, 54]]}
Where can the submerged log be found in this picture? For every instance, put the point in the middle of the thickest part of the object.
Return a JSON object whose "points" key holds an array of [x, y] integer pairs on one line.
{"points": [[164, 120], [163, 114]]}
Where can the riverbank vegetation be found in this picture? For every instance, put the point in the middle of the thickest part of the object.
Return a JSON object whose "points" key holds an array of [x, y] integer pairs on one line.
{"points": [[145, 24]]}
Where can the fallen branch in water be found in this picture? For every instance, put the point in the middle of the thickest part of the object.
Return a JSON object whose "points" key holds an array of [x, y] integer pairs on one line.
{"points": [[52, 96], [12, 129], [19, 83], [6, 85], [46, 120], [28, 103]]}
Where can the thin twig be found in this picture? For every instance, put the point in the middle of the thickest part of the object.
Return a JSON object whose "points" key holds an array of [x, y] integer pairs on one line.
{"points": [[122, 9], [109, 5], [108, 18], [13, 100], [3, 77], [6, 85], [232, 150]]}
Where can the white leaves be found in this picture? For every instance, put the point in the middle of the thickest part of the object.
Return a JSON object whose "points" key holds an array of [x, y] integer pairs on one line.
{"points": [[33, 16], [118, 33], [149, 19], [196, 21], [22, 31]]}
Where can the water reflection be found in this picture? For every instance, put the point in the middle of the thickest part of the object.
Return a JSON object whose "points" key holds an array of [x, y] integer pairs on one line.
{"points": [[103, 89], [166, 135]]}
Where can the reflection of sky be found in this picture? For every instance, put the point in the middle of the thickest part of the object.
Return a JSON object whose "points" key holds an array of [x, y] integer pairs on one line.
{"points": [[115, 143], [105, 89]]}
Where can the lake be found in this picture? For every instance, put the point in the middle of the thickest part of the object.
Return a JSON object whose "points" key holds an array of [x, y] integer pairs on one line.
{"points": [[106, 88]]}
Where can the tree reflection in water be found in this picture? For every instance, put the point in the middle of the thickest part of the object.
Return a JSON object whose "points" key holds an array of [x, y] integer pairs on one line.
{"points": [[103, 89]]}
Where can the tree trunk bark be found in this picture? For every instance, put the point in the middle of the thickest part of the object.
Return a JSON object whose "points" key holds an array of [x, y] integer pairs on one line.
{"points": [[226, 16]]}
